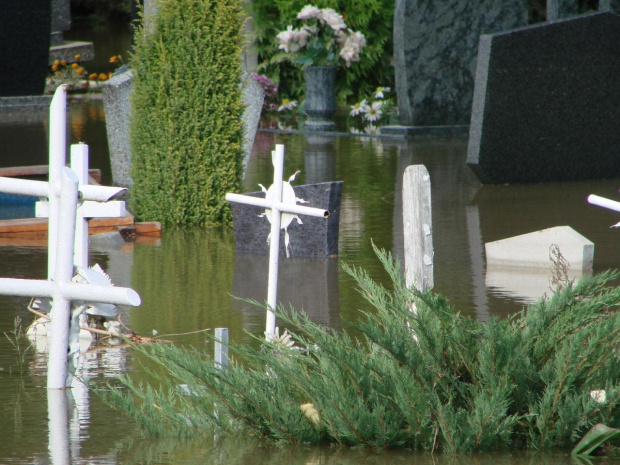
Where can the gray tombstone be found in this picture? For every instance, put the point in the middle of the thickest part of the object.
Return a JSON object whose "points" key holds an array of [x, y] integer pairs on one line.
{"points": [[435, 47], [61, 20], [316, 237], [558, 9], [253, 96], [546, 102], [609, 5], [117, 105]]}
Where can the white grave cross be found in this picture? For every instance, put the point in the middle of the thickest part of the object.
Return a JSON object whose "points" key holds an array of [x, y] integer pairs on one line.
{"points": [[63, 190], [276, 206], [61, 289]]}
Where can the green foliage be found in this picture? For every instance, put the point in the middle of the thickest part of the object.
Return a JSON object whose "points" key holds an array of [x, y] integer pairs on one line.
{"points": [[429, 379], [186, 132], [373, 18]]}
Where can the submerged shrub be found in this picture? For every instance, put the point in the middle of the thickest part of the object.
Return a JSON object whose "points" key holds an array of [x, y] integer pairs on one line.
{"points": [[186, 132], [429, 380]]}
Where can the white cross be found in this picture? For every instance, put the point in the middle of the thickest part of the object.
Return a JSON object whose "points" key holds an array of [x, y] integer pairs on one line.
{"points": [[277, 207], [62, 191]]}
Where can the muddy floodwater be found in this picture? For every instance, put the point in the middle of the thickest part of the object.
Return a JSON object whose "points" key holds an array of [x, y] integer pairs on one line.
{"points": [[191, 279]]}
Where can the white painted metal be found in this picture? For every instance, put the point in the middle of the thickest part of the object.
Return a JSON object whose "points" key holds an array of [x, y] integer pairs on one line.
{"points": [[57, 159], [79, 165], [277, 158], [63, 272], [418, 228], [289, 208], [221, 347], [277, 207], [603, 202]]}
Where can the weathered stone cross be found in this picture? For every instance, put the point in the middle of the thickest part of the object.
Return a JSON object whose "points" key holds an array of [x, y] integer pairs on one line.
{"points": [[276, 206]]}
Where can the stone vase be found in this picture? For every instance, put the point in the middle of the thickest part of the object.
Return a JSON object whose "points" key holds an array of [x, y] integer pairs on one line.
{"points": [[320, 97]]}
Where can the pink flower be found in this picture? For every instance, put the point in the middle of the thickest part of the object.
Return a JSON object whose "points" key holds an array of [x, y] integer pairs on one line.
{"points": [[333, 19]]}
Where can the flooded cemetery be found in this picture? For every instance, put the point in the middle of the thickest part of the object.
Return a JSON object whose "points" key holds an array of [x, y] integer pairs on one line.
{"points": [[178, 284]]}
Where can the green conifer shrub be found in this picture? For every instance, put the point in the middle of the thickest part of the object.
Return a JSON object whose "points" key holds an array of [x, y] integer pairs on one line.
{"points": [[186, 130], [429, 380]]}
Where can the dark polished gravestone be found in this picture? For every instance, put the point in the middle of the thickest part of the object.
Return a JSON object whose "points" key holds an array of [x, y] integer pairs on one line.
{"points": [[435, 47], [547, 103], [316, 237], [25, 28]]}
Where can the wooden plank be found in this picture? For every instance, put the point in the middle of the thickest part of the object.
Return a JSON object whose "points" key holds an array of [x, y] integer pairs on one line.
{"points": [[41, 170], [418, 228], [148, 228]]}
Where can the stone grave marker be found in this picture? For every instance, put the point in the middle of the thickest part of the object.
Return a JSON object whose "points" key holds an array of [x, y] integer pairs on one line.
{"points": [[557, 9], [316, 237], [546, 103], [435, 48]]}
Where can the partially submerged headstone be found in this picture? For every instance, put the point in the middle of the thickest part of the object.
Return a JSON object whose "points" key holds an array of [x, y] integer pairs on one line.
{"points": [[253, 96], [532, 250], [528, 266], [316, 237], [435, 47], [116, 94], [545, 105]]}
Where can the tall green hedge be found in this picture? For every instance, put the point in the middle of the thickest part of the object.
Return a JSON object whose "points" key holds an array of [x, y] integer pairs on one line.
{"points": [[186, 130], [373, 18]]}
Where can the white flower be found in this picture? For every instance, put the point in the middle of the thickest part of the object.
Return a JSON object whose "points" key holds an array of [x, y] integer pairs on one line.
{"points": [[355, 131], [374, 112], [380, 90], [284, 340], [372, 129], [332, 19], [599, 395], [352, 47], [309, 12], [359, 108], [287, 104], [288, 40]]}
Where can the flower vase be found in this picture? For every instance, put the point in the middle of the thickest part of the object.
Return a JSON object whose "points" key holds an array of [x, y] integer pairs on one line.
{"points": [[320, 103]]}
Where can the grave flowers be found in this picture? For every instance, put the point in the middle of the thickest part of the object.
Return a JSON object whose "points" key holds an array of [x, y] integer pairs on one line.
{"points": [[322, 39], [366, 115], [319, 45]]}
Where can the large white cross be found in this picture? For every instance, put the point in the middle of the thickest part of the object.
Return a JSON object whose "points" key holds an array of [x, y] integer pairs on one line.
{"points": [[62, 190], [274, 203]]}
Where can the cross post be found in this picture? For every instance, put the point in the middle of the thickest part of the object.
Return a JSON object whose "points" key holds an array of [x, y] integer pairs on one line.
{"points": [[277, 207]]}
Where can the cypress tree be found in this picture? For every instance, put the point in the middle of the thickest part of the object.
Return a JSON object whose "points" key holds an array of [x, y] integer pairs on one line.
{"points": [[186, 130]]}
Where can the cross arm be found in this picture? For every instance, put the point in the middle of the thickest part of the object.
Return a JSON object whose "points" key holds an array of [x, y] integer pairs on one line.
{"points": [[283, 207]]}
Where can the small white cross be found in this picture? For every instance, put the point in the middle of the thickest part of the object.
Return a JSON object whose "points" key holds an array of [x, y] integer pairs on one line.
{"points": [[276, 207]]}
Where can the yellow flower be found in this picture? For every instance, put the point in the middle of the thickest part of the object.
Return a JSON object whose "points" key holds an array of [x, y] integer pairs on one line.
{"points": [[80, 71], [114, 59], [78, 57], [63, 63], [103, 77], [93, 77], [55, 66], [74, 65], [56, 62]]}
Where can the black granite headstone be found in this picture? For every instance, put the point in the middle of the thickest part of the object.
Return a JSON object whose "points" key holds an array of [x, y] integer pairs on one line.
{"points": [[435, 46], [316, 237], [25, 43], [547, 102]]}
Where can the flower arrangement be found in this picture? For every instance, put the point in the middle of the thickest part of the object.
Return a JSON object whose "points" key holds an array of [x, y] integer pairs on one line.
{"points": [[371, 111], [322, 40]]}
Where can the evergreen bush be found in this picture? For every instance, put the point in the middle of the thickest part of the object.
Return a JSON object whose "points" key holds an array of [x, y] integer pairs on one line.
{"points": [[429, 380], [186, 130], [373, 18]]}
